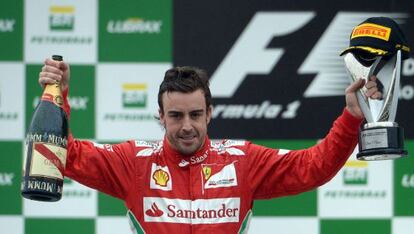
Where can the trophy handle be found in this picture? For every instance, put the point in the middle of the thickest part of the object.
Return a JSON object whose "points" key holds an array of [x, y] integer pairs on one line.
{"points": [[357, 71], [389, 109]]}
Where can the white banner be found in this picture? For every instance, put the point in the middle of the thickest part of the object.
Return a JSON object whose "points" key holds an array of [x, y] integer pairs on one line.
{"points": [[64, 27], [12, 98], [127, 104], [361, 189]]}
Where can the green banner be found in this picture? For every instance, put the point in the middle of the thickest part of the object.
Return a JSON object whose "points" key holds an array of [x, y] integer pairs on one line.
{"points": [[404, 183], [61, 226], [10, 177], [135, 30], [11, 30], [110, 206], [357, 226]]}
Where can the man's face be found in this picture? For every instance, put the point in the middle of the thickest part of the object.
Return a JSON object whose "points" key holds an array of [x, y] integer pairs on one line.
{"points": [[185, 118]]}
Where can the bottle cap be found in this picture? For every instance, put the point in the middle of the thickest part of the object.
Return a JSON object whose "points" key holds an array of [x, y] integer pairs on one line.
{"points": [[57, 57]]}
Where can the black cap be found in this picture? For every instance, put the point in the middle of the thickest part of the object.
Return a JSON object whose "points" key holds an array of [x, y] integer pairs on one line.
{"points": [[379, 36]]}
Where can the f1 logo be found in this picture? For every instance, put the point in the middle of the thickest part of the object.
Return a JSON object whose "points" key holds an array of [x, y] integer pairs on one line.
{"points": [[250, 55]]}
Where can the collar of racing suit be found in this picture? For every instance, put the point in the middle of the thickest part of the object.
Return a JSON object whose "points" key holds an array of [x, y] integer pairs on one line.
{"points": [[184, 161]]}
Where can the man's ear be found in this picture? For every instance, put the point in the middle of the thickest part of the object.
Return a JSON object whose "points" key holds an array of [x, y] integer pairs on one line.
{"points": [[209, 113], [162, 117]]}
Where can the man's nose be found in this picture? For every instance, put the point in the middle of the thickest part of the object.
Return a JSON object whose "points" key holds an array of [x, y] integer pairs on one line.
{"points": [[187, 125]]}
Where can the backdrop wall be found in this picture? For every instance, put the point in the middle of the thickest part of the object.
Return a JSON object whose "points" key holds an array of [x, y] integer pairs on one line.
{"points": [[277, 58]]}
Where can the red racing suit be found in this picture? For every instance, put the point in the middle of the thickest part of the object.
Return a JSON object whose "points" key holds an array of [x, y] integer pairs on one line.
{"points": [[211, 191]]}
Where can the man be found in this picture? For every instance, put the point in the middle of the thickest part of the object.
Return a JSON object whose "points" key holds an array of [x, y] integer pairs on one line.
{"points": [[189, 184]]}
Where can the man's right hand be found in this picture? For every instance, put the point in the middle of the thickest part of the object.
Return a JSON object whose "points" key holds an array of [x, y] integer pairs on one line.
{"points": [[372, 92], [53, 71]]}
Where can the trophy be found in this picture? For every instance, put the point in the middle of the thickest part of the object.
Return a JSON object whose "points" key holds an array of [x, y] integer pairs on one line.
{"points": [[377, 47]]}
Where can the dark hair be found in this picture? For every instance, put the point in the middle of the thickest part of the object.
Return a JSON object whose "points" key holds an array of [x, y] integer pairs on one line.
{"points": [[185, 80]]}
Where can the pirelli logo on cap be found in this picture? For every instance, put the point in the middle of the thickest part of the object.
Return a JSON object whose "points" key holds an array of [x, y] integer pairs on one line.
{"points": [[371, 30]]}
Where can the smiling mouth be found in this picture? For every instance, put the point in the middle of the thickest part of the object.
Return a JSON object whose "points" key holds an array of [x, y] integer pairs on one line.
{"points": [[187, 139]]}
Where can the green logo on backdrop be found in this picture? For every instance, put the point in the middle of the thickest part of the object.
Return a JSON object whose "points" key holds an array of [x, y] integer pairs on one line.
{"points": [[11, 30], [81, 98], [355, 173], [61, 18], [134, 95], [135, 30]]}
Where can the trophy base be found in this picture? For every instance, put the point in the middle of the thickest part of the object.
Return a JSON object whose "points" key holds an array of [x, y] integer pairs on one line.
{"points": [[384, 154], [381, 142]]}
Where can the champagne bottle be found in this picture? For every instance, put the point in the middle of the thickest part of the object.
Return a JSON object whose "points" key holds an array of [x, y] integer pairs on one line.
{"points": [[45, 149]]}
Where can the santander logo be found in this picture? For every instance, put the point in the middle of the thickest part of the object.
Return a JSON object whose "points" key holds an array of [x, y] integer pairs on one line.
{"points": [[200, 211], [154, 211]]}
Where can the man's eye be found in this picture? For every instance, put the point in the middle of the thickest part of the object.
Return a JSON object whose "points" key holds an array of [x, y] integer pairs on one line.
{"points": [[196, 115], [174, 116]]}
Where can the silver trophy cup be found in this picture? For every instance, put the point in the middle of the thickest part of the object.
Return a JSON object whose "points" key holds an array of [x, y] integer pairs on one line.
{"points": [[380, 138]]}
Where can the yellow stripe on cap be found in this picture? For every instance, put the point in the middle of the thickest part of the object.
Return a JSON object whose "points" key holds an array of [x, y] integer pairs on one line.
{"points": [[366, 48], [371, 30], [403, 47]]}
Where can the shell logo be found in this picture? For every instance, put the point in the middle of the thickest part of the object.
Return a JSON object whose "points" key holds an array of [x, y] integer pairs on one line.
{"points": [[161, 177]]}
